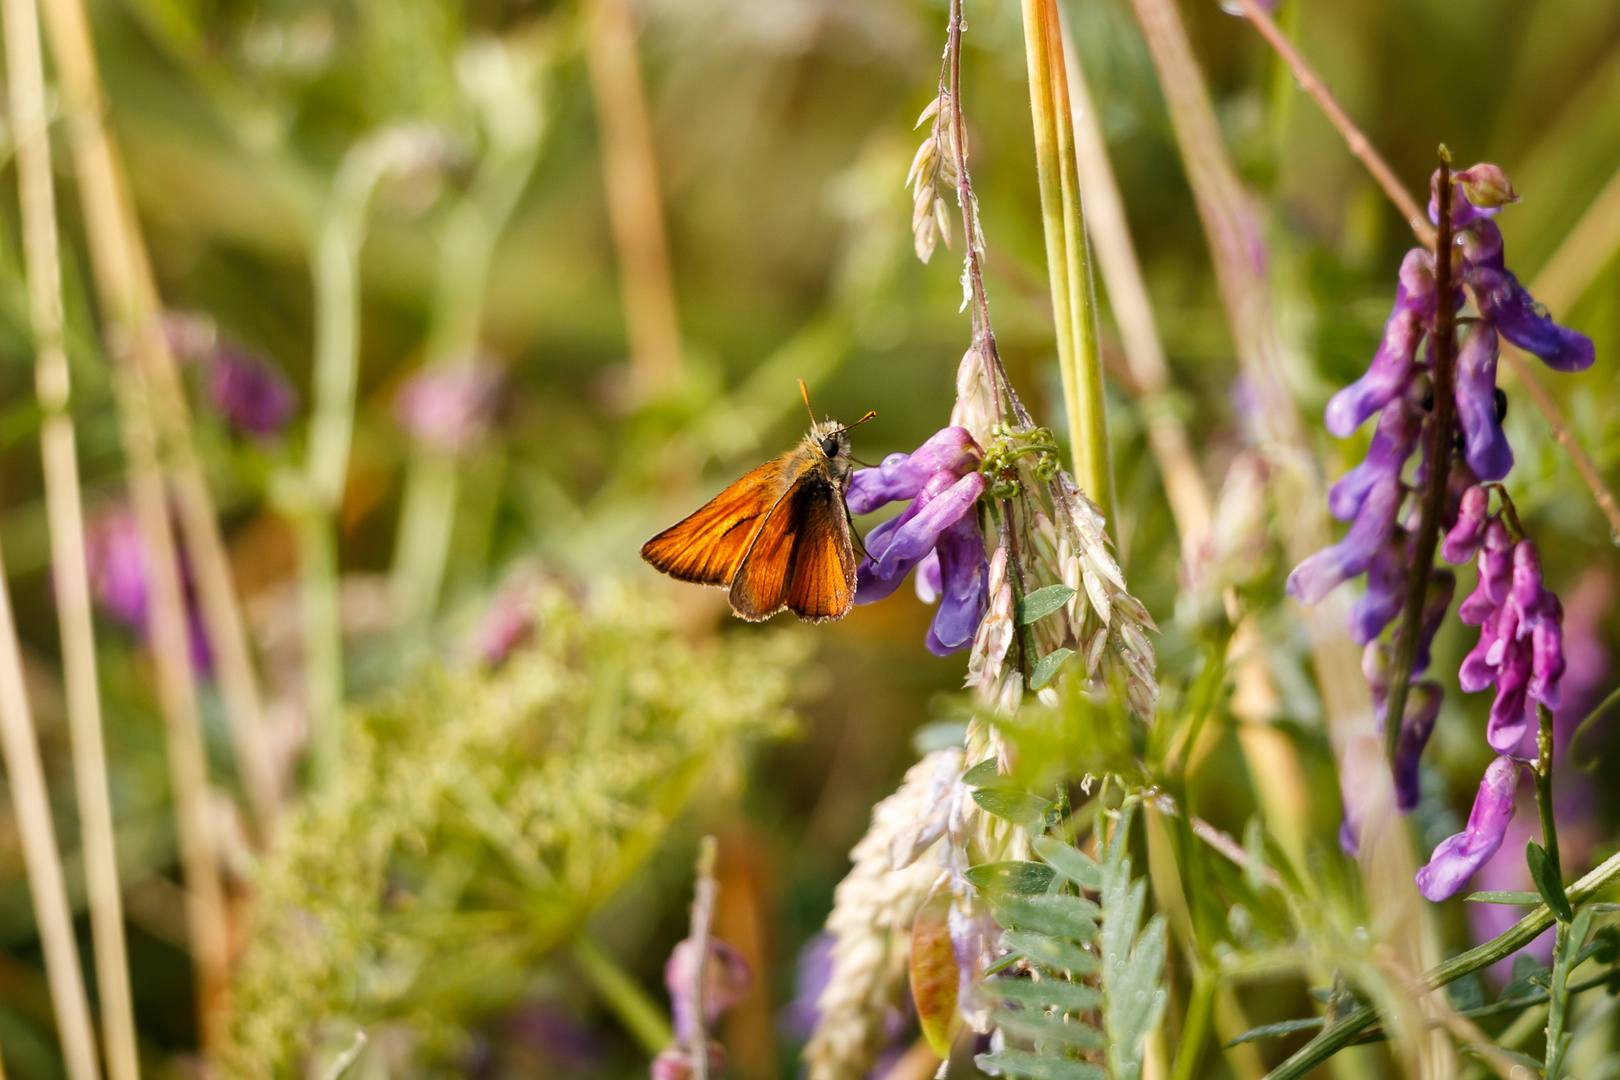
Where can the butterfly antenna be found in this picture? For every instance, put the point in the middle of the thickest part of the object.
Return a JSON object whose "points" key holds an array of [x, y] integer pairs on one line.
{"points": [[872, 415], [805, 393]]}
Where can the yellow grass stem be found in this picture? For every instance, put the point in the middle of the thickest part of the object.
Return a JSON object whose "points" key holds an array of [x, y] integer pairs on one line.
{"points": [[64, 508], [132, 308], [1068, 255], [135, 335], [37, 834], [634, 205]]}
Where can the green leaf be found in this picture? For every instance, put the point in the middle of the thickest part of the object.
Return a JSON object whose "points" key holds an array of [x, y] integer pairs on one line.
{"points": [[1571, 936], [1545, 875], [1271, 1031], [1132, 963], [1523, 899], [985, 772], [1047, 666], [934, 974], [1053, 915], [1605, 946], [1049, 952], [1042, 602], [1529, 974], [1466, 993], [1018, 807], [1011, 877], [1038, 1066], [1040, 1029], [1046, 994], [1071, 862]]}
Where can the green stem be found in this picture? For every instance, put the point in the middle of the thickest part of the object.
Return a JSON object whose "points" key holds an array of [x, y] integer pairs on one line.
{"points": [[467, 249], [623, 996], [1068, 254], [1544, 793], [337, 371], [1438, 455], [1195, 1032], [1522, 933]]}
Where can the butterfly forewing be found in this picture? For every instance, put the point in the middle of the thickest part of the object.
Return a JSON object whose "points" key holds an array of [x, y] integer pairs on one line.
{"points": [[823, 581], [760, 588], [709, 547]]}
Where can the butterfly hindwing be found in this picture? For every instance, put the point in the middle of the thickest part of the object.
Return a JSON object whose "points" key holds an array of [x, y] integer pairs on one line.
{"points": [[709, 546], [822, 585], [761, 586]]}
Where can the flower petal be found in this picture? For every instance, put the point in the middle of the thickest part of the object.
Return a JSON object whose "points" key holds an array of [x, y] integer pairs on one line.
{"points": [[1392, 443], [963, 596], [1391, 368], [1514, 312], [903, 476], [1457, 857], [1485, 447], [1318, 575]]}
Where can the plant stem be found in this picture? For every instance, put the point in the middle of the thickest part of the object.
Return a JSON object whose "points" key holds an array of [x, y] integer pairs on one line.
{"points": [[37, 835], [70, 575], [703, 897], [315, 502], [1358, 144], [131, 308], [1068, 255], [1184, 486], [1544, 789], [623, 996], [630, 182], [1342, 1031], [147, 388], [1195, 1032], [1437, 456], [466, 252], [950, 86]]}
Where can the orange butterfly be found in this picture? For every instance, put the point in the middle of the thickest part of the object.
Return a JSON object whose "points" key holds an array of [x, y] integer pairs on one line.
{"points": [[779, 537]]}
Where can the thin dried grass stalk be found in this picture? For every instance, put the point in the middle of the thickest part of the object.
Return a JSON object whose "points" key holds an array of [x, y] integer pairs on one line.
{"points": [[64, 506]]}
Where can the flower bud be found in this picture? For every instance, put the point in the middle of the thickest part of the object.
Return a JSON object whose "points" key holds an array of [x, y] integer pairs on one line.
{"points": [[1486, 186]]}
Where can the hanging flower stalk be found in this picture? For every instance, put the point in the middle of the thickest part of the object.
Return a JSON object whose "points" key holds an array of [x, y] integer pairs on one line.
{"points": [[1433, 384], [1018, 556]]}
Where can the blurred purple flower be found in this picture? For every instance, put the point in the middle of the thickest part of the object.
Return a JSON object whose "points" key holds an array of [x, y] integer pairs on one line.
{"points": [[938, 533], [1457, 857], [449, 409], [250, 392], [508, 623], [116, 560], [726, 981]]}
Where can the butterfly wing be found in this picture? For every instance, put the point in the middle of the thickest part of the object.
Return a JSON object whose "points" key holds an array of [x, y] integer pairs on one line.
{"points": [[709, 546], [823, 582], [802, 558]]}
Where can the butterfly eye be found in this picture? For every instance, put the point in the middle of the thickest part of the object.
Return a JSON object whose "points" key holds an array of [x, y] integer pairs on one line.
{"points": [[829, 446]]}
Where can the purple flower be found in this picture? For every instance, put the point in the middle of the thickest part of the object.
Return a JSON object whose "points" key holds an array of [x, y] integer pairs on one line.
{"points": [[250, 392], [1457, 857], [1320, 574], [1386, 590], [937, 534], [1505, 304], [726, 981], [902, 476], [1391, 369], [118, 568], [449, 409], [1520, 649], [1422, 709], [1392, 443], [1485, 446]]}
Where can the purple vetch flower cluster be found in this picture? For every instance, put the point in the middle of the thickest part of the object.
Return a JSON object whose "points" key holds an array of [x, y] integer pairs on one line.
{"points": [[727, 979], [1520, 653], [937, 534], [1374, 497]]}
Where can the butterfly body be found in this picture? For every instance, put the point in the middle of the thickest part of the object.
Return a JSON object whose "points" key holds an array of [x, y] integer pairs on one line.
{"points": [[777, 538]]}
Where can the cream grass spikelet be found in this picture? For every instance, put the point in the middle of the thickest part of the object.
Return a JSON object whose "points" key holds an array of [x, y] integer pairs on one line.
{"points": [[934, 166], [873, 909]]}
